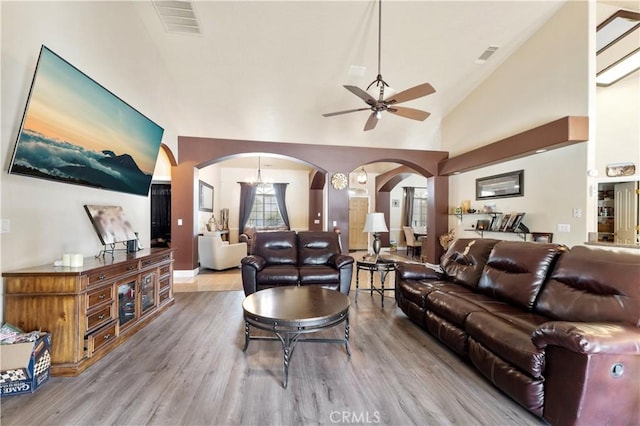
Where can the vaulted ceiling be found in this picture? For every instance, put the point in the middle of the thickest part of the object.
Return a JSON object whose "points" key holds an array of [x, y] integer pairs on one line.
{"points": [[268, 70]]}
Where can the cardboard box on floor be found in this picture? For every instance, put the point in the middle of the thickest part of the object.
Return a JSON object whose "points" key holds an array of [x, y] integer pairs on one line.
{"points": [[24, 367]]}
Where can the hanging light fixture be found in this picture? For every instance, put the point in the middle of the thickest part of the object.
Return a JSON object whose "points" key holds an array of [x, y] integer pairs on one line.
{"points": [[259, 179], [362, 176]]}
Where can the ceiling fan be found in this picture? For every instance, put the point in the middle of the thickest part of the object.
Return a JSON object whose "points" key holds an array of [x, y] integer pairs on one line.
{"points": [[377, 106]]}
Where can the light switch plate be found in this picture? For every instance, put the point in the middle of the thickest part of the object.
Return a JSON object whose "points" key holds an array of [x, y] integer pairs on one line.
{"points": [[5, 226], [564, 227]]}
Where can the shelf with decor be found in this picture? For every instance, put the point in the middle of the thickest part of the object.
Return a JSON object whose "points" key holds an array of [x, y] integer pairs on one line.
{"points": [[461, 215], [481, 232], [504, 223]]}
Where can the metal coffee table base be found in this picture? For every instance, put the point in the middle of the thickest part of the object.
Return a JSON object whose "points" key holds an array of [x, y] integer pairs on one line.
{"points": [[290, 334]]}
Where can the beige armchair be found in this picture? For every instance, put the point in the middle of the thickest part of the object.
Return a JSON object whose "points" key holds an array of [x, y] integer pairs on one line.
{"points": [[214, 253]]}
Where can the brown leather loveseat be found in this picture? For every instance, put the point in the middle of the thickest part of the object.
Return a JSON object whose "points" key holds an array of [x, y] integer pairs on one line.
{"points": [[286, 258], [553, 328]]}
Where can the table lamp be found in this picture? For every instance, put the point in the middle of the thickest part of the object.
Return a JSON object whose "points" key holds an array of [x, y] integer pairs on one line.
{"points": [[375, 224]]}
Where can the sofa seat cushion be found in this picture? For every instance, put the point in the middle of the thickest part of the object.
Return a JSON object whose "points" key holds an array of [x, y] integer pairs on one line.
{"points": [[417, 291], [508, 336], [318, 274], [455, 305], [276, 275]]}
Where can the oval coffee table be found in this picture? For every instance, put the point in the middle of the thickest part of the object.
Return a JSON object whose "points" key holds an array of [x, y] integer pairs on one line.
{"points": [[289, 312]]}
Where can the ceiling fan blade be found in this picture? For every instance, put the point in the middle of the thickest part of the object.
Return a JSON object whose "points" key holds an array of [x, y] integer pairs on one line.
{"points": [[331, 114], [371, 122], [414, 114], [361, 94], [412, 93]]}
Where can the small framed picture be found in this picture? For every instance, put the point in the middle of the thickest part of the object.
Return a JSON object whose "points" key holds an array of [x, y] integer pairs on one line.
{"points": [[516, 222], [542, 237], [483, 225]]}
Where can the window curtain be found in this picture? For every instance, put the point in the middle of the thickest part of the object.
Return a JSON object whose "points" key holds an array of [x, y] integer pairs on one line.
{"points": [[280, 190], [247, 197], [409, 193]]}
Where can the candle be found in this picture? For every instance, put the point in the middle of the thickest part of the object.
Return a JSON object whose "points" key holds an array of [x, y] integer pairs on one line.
{"points": [[76, 260]]}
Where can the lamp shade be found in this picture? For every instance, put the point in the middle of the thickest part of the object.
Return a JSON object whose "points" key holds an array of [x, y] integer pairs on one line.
{"points": [[375, 223]]}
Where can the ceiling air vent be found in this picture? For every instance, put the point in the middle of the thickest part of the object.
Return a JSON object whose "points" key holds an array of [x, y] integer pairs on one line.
{"points": [[486, 54], [177, 16]]}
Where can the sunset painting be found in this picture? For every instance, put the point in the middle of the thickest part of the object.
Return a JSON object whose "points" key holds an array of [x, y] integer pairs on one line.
{"points": [[76, 131]]}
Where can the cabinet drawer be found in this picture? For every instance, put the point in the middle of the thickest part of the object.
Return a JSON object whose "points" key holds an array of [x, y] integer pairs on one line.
{"points": [[165, 283], [99, 296], [163, 297], [101, 338], [164, 270], [99, 317], [155, 259], [107, 274]]}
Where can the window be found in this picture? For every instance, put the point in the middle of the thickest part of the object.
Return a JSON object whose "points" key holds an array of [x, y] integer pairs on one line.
{"points": [[265, 212], [419, 217]]}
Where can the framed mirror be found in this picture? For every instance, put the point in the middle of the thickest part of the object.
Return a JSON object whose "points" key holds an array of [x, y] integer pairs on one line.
{"points": [[500, 186], [205, 197]]}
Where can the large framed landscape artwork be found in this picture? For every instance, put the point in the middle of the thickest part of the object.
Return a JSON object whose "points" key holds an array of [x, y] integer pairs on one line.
{"points": [[75, 131]]}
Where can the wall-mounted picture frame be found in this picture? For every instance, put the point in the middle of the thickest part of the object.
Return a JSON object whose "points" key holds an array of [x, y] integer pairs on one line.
{"points": [[205, 197], [542, 237], [500, 186]]}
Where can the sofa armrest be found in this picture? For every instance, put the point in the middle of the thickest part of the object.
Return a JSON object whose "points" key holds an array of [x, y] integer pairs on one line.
{"points": [[589, 338], [253, 261], [417, 271], [338, 261]]}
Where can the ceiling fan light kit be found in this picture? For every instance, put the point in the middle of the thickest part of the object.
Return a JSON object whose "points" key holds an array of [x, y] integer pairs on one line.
{"points": [[377, 106]]}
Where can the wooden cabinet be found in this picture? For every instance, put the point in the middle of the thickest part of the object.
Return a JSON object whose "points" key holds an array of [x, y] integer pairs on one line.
{"points": [[92, 309]]}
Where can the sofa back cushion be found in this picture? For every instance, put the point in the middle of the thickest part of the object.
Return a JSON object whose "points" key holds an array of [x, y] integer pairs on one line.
{"points": [[591, 284], [516, 271], [316, 247], [465, 259], [276, 247]]}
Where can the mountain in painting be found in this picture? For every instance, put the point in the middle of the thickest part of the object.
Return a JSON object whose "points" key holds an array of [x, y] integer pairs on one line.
{"points": [[39, 156]]}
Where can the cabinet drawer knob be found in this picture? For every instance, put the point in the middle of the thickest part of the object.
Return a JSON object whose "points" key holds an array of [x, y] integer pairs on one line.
{"points": [[102, 296], [107, 336], [102, 276], [101, 316], [130, 268]]}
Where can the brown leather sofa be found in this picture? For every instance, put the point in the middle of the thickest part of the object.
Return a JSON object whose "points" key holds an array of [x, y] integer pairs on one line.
{"points": [[555, 329], [286, 258]]}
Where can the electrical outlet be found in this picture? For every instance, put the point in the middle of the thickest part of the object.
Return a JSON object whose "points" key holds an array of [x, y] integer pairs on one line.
{"points": [[5, 226], [564, 227], [179, 222], [577, 213]]}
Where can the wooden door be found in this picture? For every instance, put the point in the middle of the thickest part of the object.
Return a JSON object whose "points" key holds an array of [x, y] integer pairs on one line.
{"points": [[358, 209], [625, 212]]}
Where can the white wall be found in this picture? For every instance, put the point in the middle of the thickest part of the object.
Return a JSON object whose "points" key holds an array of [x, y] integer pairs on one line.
{"points": [[106, 41], [546, 79], [551, 192]]}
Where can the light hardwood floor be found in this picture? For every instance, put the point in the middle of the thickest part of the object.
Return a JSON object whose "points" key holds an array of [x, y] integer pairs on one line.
{"points": [[187, 368]]}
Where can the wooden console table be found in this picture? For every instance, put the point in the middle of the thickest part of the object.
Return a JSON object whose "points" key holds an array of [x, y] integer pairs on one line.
{"points": [[90, 310]]}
